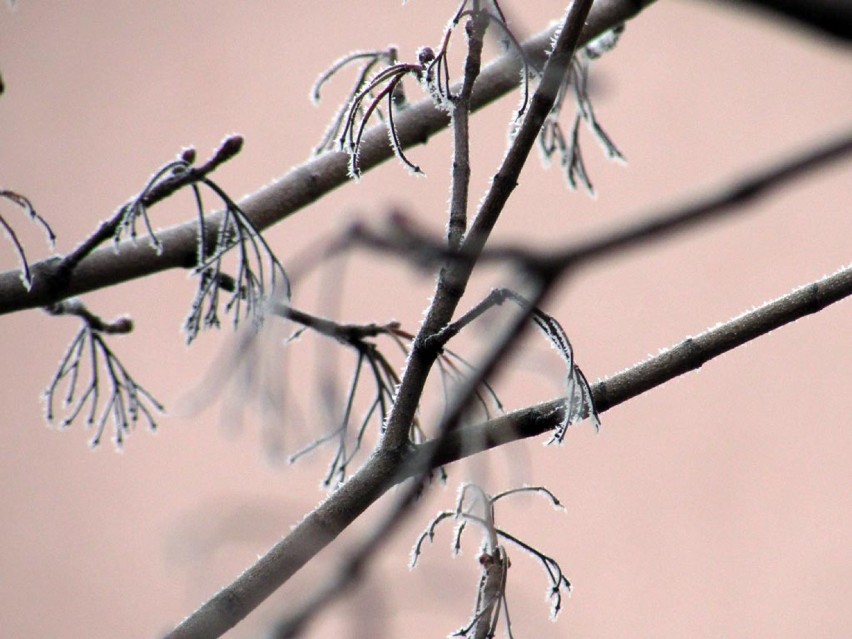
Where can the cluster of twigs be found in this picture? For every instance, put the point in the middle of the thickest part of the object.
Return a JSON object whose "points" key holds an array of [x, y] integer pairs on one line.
{"points": [[578, 398], [380, 79], [259, 275], [475, 506], [365, 99], [126, 400], [348, 434], [369, 356]]}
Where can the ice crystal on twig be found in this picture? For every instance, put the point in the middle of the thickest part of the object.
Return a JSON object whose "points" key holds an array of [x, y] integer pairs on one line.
{"points": [[374, 364]]}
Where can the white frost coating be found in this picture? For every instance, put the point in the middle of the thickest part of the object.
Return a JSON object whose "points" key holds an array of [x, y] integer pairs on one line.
{"points": [[441, 101], [482, 198], [515, 122], [412, 559]]}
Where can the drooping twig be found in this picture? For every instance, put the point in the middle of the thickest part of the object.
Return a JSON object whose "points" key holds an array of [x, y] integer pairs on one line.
{"points": [[260, 275], [127, 400], [369, 60], [365, 100], [384, 377], [24, 203], [579, 402], [552, 139]]}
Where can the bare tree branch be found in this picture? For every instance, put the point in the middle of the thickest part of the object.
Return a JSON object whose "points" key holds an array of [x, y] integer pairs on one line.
{"points": [[324, 523], [296, 190], [399, 456], [682, 358]]}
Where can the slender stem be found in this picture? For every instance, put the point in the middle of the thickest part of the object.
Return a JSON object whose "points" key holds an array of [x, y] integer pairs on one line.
{"points": [[476, 28]]}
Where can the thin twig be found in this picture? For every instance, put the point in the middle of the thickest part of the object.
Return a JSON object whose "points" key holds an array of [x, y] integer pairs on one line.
{"points": [[461, 134], [24, 203]]}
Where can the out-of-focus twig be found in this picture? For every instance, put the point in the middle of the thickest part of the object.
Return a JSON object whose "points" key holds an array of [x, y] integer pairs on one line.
{"points": [[405, 239]]}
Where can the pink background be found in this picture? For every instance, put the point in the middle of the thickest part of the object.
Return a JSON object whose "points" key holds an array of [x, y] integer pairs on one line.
{"points": [[715, 506]]}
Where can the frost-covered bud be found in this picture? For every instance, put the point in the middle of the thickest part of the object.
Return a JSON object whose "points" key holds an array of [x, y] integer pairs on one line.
{"points": [[230, 146], [425, 55], [188, 155], [121, 325]]}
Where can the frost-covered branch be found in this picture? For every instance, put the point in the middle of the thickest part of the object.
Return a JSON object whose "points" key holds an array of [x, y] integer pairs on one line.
{"points": [[689, 355], [300, 187]]}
